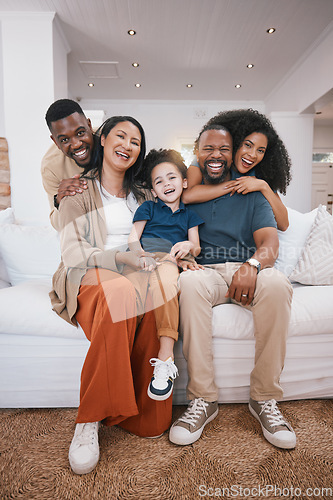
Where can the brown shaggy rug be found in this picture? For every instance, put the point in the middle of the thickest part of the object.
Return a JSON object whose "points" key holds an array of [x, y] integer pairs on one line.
{"points": [[231, 460]]}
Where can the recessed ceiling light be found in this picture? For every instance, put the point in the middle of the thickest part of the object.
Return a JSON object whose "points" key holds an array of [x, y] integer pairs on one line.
{"points": [[135, 65], [91, 84], [238, 86], [138, 85], [270, 30], [189, 85], [131, 32], [250, 66]]}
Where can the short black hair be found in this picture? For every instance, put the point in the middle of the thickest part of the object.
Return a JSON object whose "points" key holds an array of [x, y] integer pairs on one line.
{"points": [[61, 109], [209, 126], [157, 156]]}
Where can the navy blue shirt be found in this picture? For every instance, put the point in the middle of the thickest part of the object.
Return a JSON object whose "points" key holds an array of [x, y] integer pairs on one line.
{"points": [[230, 221], [164, 228]]}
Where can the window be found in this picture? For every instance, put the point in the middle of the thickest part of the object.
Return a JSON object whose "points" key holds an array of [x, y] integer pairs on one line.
{"points": [[322, 157]]}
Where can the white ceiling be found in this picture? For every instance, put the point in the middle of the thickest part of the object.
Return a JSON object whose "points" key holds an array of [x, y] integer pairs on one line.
{"points": [[206, 43]]}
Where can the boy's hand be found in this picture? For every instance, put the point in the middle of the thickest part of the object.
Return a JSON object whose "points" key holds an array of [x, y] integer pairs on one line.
{"points": [[180, 249], [189, 264]]}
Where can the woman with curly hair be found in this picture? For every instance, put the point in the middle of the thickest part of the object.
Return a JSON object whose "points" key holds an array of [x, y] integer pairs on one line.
{"points": [[259, 156]]}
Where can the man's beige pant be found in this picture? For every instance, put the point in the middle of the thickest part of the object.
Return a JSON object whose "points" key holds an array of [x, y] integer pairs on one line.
{"points": [[205, 288]]}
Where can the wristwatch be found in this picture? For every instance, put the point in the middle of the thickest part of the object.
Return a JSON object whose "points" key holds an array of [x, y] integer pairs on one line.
{"points": [[255, 263], [55, 202]]}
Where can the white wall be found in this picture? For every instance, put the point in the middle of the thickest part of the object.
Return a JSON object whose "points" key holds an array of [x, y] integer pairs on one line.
{"points": [[32, 51], [167, 122], [60, 51], [296, 131], [28, 88], [323, 139], [2, 103], [309, 80]]}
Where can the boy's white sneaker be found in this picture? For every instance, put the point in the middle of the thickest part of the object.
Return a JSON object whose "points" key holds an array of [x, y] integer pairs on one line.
{"points": [[161, 384], [84, 450]]}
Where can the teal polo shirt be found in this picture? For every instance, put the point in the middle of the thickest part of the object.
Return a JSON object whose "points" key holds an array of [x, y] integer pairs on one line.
{"points": [[164, 228], [230, 221]]}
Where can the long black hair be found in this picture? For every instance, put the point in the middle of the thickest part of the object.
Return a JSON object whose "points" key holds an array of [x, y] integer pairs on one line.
{"points": [[275, 166], [133, 179]]}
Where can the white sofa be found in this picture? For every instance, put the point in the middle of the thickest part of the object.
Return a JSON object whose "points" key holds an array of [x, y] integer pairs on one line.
{"points": [[41, 355]]}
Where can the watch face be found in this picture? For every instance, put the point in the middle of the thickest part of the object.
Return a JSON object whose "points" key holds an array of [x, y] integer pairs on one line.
{"points": [[254, 263]]}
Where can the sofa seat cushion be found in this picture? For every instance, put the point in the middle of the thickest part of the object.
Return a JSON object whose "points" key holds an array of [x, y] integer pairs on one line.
{"points": [[25, 309], [311, 314]]}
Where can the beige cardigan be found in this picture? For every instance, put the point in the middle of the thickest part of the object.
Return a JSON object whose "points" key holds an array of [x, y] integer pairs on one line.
{"points": [[82, 239]]}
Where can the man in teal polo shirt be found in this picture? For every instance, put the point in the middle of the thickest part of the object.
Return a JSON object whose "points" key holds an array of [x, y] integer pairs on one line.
{"points": [[239, 245]]}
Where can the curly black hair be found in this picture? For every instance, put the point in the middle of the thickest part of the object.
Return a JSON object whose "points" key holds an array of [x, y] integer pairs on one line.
{"points": [[275, 167], [155, 157]]}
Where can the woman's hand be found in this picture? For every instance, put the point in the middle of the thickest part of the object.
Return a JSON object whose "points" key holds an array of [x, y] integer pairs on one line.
{"points": [[244, 185], [138, 261]]}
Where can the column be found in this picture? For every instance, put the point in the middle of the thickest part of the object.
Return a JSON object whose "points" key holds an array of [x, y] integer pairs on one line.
{"points": [[34, 73], [296, 131]]}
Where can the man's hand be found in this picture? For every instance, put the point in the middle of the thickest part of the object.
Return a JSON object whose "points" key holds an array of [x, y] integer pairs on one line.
{"points": [[69, 187], [243, 284]]}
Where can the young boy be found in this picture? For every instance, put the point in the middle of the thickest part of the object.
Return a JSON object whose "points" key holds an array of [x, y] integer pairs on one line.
{"points": [[169, 230]]}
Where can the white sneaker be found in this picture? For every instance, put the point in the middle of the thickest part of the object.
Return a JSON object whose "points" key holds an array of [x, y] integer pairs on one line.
{"points": [[84, 450], [161, 384]]}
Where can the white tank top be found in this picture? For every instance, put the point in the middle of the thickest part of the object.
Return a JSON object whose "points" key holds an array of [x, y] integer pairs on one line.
{"points": [[119, 214]]}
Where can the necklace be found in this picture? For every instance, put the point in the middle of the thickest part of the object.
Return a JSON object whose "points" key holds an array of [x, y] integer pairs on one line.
{"points": [[108, 194]]}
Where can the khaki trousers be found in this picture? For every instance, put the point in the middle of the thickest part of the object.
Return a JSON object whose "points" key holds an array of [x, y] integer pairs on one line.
{"points": [[205, 288], [162, 289]]}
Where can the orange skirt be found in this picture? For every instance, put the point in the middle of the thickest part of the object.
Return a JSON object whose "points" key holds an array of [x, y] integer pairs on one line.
{"points": [[116, 372]]}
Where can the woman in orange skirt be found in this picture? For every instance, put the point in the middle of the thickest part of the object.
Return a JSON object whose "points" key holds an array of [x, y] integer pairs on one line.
{"points": [[89, 289]]}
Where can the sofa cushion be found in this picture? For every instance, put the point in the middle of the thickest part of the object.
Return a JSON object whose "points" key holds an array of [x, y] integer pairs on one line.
{"points": [[311, 314], [293, 239], [29, 252], [315, 265], [25, 309], [6, 217]]}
